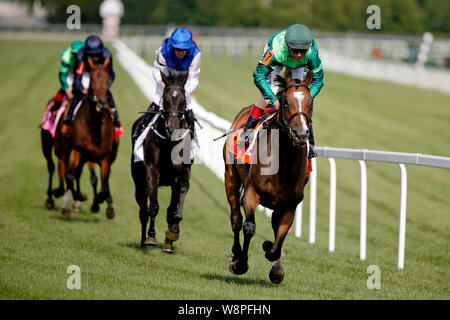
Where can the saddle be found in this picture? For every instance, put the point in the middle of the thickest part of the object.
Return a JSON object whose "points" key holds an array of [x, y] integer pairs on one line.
{"points": [[243, 153]]}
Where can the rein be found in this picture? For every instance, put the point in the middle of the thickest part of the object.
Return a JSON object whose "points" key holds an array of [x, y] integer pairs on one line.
{"points": [[284, 124]]}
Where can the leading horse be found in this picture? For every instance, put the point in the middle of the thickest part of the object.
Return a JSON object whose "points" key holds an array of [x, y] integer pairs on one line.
{"points": [[280, 191], [91, 138], [165, 163]]}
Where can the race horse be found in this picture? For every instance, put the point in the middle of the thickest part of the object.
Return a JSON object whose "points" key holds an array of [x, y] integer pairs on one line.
{"points": [[47, 143], [91, 138], [166, 132], [280, 191]]}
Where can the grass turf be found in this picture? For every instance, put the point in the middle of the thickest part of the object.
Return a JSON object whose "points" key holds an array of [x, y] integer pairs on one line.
{"points": [[38, 245]]}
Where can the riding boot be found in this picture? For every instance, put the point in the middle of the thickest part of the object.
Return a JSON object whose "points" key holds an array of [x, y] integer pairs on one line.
{"points": [[58, 100], [73, 104], [190, 121], [112, 104], [250, 123], [145, 120], [311, 153]]}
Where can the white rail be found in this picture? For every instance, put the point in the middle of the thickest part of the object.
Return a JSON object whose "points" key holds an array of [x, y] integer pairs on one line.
{"points": [[210, 154]]}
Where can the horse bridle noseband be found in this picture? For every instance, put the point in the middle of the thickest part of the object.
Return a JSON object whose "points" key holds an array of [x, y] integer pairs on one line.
{"points": [[284, 124]]}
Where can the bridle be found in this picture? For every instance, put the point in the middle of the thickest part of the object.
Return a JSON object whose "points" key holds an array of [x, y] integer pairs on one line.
{"points": [[172, 112], [283, 122]]}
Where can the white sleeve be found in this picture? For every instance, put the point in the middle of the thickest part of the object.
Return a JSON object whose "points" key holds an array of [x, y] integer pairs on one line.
{"points": [[158, 66], [194, 75]]}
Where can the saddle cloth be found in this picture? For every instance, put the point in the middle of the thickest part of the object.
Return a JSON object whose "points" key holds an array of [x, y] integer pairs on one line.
{"points": [[244, 155]]}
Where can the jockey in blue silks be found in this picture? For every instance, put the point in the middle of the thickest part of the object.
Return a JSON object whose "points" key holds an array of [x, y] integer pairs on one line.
{"points": [[177, 54], [95, 49]]}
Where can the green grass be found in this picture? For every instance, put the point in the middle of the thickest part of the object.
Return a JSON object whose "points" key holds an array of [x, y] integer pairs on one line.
{"points": [[37, 245]]}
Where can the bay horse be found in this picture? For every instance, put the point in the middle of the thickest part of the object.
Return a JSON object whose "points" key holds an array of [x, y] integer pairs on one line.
{"points": [[47, 144], [90, 138], [160, 167], [281, 191]]}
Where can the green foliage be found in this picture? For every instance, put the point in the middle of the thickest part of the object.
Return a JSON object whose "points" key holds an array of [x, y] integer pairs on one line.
{"points": [[406, 16]]}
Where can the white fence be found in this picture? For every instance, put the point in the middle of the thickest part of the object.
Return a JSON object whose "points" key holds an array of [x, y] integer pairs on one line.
{"points": [[210, 154]]}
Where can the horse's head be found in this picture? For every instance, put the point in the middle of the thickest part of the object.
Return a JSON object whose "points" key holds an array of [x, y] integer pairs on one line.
{"points": [[296, 108], [98, 87], [174, 100]]}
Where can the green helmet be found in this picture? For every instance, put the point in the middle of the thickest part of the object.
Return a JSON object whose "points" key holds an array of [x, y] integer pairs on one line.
{"points": [[298, 36], [76, 45]]}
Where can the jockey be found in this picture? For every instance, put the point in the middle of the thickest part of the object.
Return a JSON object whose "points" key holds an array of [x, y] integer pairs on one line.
{"points": [[177, 54], [93, 48], [65, 74], [294, 48]]}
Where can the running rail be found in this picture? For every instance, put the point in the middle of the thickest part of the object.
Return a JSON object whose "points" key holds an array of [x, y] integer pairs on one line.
{"points": [[210, 154]]}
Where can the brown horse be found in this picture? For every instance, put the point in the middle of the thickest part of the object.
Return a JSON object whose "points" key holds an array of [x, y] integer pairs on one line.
{"points": [[161, 165], [280, 191], [47, 143], [91, 139]]}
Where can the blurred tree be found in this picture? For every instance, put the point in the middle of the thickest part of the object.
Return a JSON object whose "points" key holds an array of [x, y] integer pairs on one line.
{"points": [[414, 16]]}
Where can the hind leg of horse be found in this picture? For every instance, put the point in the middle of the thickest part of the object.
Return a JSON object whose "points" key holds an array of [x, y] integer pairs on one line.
{"points": [[95, 207], [105, 193], [175, 211], [58, 192], [71, 174], [232, 185], [251, 201], [47, 146]]}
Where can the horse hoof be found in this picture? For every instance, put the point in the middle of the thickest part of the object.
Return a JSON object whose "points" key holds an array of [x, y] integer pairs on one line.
{"points": [[110, 214], [276, 278], [168, 247], [49, 204], [95, 208], [77, 206], [65, 212], [238, 268], [150, 241]]}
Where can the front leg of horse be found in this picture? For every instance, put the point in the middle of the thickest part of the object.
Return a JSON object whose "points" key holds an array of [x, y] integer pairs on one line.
{"points": [[152, 192], [281, 223], [251, 201], [105, 193], [72, 174], [95, 207], [175, 214]]}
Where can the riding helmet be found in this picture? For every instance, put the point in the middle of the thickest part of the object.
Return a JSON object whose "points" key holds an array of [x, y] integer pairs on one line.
{"points": [[298, 36], [76, 45], [94, 45], [181, 38]]}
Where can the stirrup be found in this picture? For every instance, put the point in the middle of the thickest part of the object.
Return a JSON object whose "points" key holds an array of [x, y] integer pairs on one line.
{"points": [[312, 152]]}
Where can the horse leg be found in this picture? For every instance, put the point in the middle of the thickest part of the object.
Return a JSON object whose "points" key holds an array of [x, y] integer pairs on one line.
{"points": [[281, 223], [232, 185], [94, 181], [251, 201], [65, 209], [152, 175], [74, 162], [58, 192], [105, 194], [175, 212], [77, 203], [47, 146]]}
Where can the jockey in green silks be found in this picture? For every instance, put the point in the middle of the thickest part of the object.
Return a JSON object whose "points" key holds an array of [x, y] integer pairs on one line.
{"points": [[65, 74], [294, 48]]}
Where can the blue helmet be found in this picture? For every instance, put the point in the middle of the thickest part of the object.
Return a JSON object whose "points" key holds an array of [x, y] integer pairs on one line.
{"points": [[93, 45], [181, 38]]}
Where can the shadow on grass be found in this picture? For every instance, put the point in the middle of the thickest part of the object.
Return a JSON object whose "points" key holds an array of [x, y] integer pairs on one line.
{"points": [[236, 280], [79, 217]]}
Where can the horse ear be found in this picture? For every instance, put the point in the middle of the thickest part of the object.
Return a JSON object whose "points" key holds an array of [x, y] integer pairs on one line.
{"points": [[164, 78], [91, 63], [308, 77], [288, 75], [106, 63]]}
